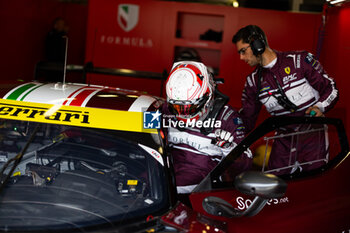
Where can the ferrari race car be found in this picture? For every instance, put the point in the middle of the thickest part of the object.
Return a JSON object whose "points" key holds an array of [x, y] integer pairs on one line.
{"points": [[84, 158]]}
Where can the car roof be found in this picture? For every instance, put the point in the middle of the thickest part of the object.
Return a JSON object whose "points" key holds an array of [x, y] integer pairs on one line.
{"points": [[103, 104], [82, 95]]}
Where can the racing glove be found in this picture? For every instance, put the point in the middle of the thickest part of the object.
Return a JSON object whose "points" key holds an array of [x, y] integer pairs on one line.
{"points": [[223, 138]]}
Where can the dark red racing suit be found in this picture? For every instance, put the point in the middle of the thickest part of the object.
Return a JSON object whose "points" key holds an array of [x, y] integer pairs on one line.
{"points": [[305, 83], [195, 154]]}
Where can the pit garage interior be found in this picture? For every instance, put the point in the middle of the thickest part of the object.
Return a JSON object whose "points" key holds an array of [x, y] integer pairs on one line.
{"points": [[163, 29], [132, 44]]}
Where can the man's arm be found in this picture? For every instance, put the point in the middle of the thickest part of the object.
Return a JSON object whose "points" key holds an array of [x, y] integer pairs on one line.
{"points": [[250, 104], [321, 82], [231, 134]]}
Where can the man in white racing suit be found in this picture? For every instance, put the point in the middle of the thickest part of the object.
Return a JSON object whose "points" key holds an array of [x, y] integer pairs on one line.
{"points": [[200, 127]]}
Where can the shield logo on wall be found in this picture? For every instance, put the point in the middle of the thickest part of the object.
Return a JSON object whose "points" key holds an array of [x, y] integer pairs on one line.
{"points": [[128, 16]]}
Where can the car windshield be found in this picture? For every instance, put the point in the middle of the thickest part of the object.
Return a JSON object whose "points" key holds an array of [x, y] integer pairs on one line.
{"points": [[74, 177]]}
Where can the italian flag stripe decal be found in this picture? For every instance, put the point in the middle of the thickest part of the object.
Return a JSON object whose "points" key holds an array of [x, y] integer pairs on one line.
{"points": [[17, 92], [22, 91], [30, 90]]}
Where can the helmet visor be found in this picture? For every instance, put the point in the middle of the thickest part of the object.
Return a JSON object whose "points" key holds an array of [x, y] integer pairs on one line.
{"points": [[187, 109]]}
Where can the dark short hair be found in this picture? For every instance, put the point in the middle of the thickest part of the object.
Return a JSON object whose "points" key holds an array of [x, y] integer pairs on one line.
{"points": [[246, 32]]}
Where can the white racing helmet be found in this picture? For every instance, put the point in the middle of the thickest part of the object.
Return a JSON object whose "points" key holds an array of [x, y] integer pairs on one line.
{"points": [[189, 90]]}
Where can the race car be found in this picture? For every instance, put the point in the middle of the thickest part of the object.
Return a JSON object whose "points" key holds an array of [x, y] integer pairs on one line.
{"points": [[78, 157]]}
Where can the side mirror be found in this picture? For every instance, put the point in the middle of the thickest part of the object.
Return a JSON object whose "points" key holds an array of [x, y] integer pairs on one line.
{"points": [[255, 183], [262, 186]]}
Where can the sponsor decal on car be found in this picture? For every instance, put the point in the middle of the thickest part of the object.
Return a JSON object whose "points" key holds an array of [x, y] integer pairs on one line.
{"points": [[155, 154], [73, 115], [243, 204]]}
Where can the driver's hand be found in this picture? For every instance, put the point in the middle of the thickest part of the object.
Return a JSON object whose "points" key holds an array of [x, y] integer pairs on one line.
{"points": [[223, 138]]}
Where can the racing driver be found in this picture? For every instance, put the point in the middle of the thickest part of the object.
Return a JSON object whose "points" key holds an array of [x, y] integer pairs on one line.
{"points": [[200, 127]]}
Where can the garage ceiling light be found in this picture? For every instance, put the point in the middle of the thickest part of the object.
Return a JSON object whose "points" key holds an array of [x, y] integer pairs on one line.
{"points": [[335, 1], [235, 3]]}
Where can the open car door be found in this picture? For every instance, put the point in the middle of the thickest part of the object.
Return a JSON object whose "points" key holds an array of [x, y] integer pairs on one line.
{"points": [[304, 195]]}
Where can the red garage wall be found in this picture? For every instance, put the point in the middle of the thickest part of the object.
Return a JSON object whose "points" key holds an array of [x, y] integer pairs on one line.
{"points": [[335, 57], [165, 27], [24, 25]]}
